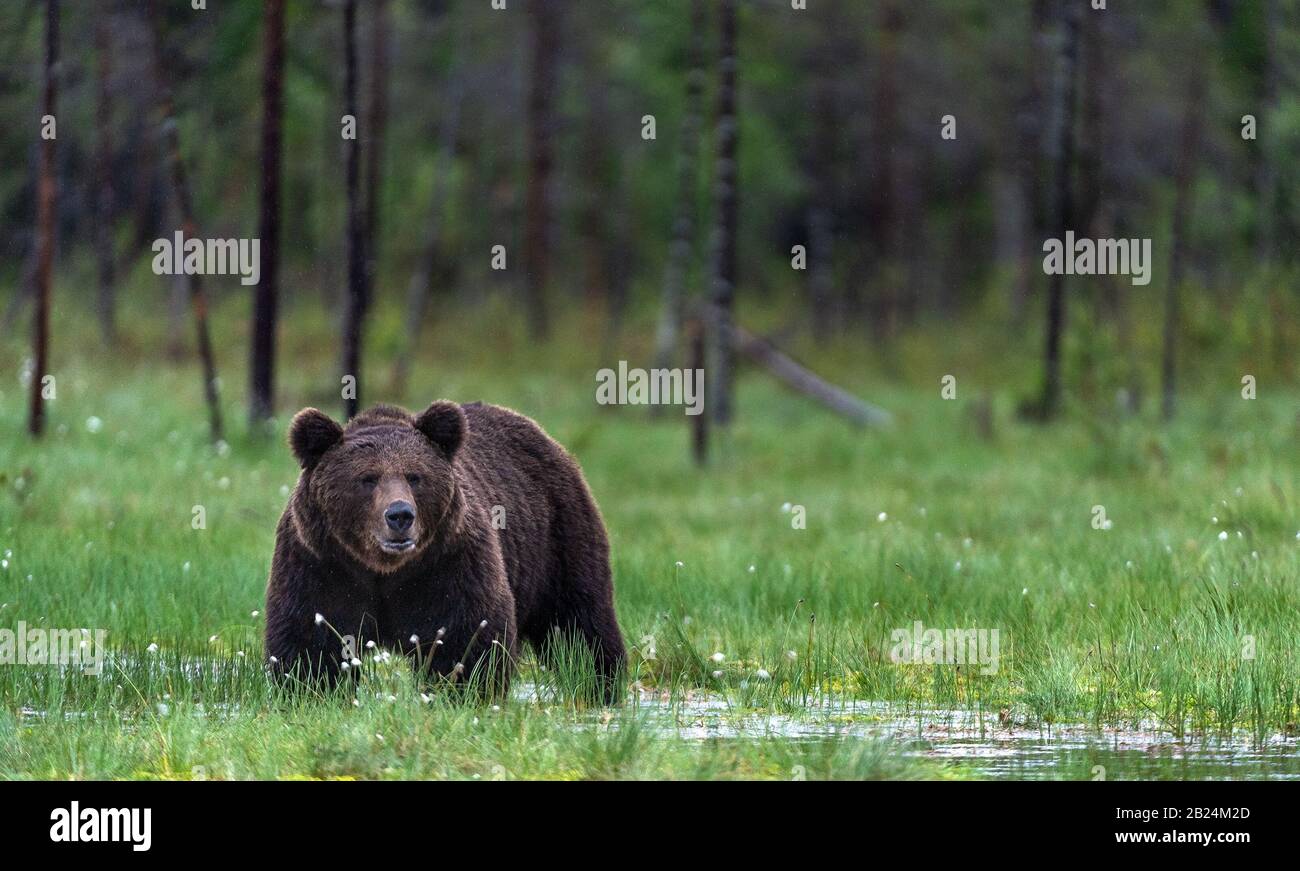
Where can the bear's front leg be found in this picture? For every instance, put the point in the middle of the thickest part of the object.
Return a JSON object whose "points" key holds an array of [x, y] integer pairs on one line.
{"points": [[306, 631], [469, 637], [302, 648]]}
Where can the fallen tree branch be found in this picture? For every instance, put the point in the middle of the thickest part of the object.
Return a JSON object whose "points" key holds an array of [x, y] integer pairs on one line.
{"points": [[803, 381]]}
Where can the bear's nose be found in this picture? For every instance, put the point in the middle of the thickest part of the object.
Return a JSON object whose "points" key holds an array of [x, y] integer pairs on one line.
{"points": [[400, 516]]}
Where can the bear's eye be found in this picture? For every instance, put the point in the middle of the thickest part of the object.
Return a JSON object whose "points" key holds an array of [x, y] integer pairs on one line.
{"points": [[369, 480], [413, 480]]}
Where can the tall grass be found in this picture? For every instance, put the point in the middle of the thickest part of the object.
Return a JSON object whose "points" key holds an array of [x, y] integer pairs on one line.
{"points": [[1152, 622]]}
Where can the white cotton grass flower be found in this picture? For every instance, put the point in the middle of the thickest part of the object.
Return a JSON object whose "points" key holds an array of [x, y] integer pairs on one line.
{"points": [[415, 639], [717, 674], [355, 661], [1025, 591], [1223, 536], [681, 564], [152, 648], [370, 645], [718, 657], [255, 614], [94, 424], [345, 666], [213, 639], [786, 508], [320, 618], [763, 674], [791, 655], [752, 569], [274, 660], [882, 517]]}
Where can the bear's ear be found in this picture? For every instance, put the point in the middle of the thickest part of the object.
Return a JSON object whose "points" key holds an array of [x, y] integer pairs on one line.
{"points": [[444, 424], [311, 434]]}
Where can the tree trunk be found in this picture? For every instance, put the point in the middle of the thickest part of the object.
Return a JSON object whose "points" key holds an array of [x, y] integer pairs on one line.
{"points": [[45, 225], [1064, 209], [420, 289], [376, 128], [355, 310], [885, 195], [699, 422], [189, 228], [725, 178], [1031, 157], [824, 160], [1092, 125], [1265, 174], [106, 303], [544, 21], [265, 297], [597, 192], [682, 246], [1184, 177]]}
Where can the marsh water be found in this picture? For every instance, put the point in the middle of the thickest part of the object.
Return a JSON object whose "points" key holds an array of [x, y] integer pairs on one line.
{"points": [[990, 745]]}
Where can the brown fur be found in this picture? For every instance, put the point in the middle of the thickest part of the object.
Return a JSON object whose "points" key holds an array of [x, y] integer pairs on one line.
{"points": [[546, 571]]}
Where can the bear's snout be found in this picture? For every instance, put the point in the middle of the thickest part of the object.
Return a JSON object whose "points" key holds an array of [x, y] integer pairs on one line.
{"points": [[396, 521], [399, 516]]}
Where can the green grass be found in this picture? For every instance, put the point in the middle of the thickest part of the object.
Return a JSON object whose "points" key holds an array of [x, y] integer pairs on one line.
{"points": [[1143, 624]]}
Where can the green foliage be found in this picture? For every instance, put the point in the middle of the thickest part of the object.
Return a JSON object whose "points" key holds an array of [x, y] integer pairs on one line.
{"points": [[1140, 626]]}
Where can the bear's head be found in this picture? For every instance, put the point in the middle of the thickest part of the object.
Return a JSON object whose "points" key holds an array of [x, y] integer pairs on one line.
{"points": [[383, 488]]}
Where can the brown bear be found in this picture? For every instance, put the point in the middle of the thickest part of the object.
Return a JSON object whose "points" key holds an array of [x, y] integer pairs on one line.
{"points": [[450, 535]]}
